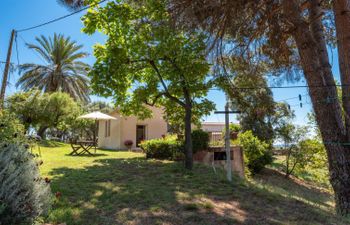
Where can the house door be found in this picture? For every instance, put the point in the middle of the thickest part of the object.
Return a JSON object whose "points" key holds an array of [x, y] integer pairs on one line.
{"points": [[140, 134]]}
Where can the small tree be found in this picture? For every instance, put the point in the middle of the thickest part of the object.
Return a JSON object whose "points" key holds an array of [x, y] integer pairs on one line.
{"points": [[296, 154], [256, 105], [27, 106], [55, 110], [145, 61]]}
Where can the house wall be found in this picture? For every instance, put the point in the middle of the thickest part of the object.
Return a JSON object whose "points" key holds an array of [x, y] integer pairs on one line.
{"points": [[155, 127], [113, 141], [124, 128]]}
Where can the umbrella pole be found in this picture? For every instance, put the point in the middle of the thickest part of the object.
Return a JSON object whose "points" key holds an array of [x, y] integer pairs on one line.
{"points": [[95, 131]]}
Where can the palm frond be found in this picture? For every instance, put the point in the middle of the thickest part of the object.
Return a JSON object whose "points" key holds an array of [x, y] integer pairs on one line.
{"points": [[63, 72]]}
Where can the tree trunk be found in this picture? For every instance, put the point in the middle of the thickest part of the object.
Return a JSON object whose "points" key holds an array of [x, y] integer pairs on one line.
{"points": [[188, 137], [41, 131], [287, 162], [322, 90], [342, 23]]}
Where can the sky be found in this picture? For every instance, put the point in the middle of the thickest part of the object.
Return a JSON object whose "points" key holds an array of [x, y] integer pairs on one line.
{"points": [[23, 13]]}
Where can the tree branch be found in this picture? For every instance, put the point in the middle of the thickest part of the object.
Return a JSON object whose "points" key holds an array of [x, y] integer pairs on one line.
{"points": [[155, 99], [167, 93], [184, 82]]}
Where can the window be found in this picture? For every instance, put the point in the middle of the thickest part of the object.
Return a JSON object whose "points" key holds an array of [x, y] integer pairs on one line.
{"points": [[221, 155], [107, 128]]}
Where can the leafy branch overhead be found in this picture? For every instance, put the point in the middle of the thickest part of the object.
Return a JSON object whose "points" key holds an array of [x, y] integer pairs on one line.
{"points": [[144, 60]]}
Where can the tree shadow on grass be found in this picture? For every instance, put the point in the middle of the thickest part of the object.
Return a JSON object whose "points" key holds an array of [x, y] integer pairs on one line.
{"points": [[51, 144], [294, 187], [86, 155], [139, 191]]}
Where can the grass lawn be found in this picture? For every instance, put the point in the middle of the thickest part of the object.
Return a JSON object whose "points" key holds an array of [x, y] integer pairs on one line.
{"points": [[118, 187]]}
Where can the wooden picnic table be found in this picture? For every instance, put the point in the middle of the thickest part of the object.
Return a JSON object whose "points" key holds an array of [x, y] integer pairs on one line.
{"points": [[82, 146]]}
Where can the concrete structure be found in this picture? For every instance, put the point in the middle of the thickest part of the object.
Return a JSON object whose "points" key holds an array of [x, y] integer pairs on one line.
{"points": [[215, 127], [113, 133], [216, 156], [215, 130]]}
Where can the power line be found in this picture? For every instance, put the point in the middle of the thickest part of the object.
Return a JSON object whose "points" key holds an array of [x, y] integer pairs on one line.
{"points": [[59, 18], [35, 52], [282, 100], [285, 87]]}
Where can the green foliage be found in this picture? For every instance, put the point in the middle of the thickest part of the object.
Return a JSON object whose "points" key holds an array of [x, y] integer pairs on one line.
{"points": [[200, 140], [297, 148], [55, 110], [283, 126], [68, 75], [256, 105], [314, 152], [60, 110], [145, 61], [235, 127], [174, 115], [259, 112], [255, 152], [11, 130], [23, 194], [27, 106], [307, 155], [164, 148]]}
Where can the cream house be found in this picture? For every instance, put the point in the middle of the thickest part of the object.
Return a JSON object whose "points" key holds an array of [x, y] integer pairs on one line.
{"points": [[113, 133]]}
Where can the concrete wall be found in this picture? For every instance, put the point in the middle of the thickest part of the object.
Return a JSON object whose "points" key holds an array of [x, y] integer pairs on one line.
{"points": [[207, 157], [125, 129], [213, 126]]}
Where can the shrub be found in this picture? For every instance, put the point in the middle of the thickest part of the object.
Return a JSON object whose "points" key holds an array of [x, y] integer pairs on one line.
{"points": [[24, 196], [255, 151], [234, 129], [164, 148], [11, 130], [200, 140]]}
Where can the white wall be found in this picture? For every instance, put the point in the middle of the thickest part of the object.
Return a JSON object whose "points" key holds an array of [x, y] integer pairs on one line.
{"points": [[113, 141], [124, 128]]}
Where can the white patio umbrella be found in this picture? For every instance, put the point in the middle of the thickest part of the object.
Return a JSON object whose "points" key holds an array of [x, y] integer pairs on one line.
{"points": [[97, 116]]}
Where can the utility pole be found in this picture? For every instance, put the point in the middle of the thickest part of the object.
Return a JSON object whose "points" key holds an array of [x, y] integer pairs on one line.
{"points": [[227, 113], [6, 70], [227, 141]]}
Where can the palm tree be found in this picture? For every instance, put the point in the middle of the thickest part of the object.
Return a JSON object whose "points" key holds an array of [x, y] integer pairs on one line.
{"points": [[61, 71]]}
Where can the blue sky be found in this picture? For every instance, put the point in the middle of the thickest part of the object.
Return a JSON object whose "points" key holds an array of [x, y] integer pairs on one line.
{"points": [[26, 13]]}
